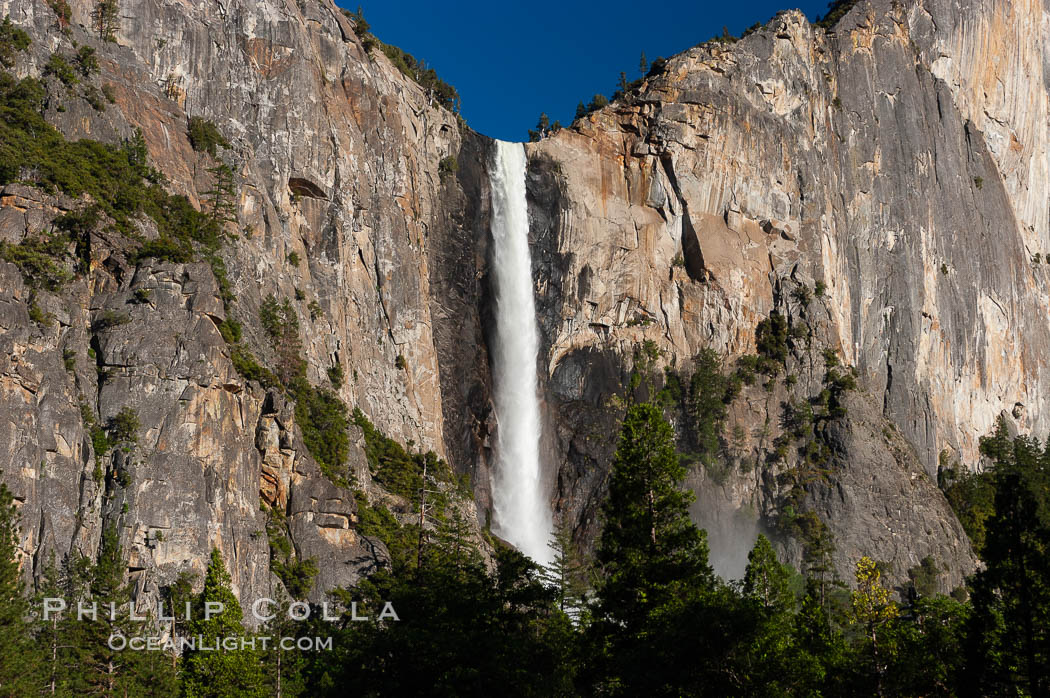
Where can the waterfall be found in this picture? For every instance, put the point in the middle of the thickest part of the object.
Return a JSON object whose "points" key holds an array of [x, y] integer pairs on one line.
{"points": [[522, 511]]}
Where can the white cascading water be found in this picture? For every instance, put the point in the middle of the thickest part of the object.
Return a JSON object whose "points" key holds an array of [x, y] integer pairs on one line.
{"points": [[522, 511]]}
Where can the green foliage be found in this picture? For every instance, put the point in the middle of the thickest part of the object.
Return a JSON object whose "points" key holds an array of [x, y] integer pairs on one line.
{"points": [[19, 656], [106, 19], [725, 37], [109, 93], [978, 182], [205, 136], [751, 30], [710, 394], [100, 442], [37, 315], [836, 384], [94, 98], [231, 330], [293, 259], [335, 375], [62, 9], [652, 557], [281, 325], [972, 498], [1009, 633], [250, 369], [924, 576], [166, 249], [118, 179], [221, 198], [376, 521], [597, 102], [13, 40], [463, 630], [766, 579], [322, 419], [78, 659], [447, 167], [837, 9], [393, 467], [427, 78], [109, 318], [400, 363], [220, 673], [802, 295], [86, 62], [771, 337], [58, 67], [296, 574], [41, 259], [568, 573], [124, 426], [361, 27], [543, 127]]}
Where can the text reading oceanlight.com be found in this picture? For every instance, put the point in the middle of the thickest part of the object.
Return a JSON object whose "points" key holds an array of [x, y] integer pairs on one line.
{"points": [[263, 610]]}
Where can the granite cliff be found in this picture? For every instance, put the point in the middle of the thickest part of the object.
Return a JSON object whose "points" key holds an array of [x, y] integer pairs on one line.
{"points": [[863, 203]]}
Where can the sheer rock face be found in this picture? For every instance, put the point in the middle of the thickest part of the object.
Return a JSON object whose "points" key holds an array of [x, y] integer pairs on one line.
{"points": [[901, 161], [336, 158]]}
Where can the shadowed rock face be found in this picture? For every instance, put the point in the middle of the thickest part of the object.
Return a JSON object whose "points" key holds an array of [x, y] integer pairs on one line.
{"points": [[901, 161]]}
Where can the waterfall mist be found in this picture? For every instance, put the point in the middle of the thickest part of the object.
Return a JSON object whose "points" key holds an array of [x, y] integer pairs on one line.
{"points": [[521, 509]]}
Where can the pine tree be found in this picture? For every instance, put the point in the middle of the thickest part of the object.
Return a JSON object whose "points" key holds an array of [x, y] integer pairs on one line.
{"points": [[222, 204], [541, 130], [567, 572], [220, 673], [106, 664], [819, 654], [106, 18], [818, 559], [643, 65], [285, 669], [19, 658], [46, 632], [581, 111], [870, 610], [1009, 635], [61, 637], [766, 580], [656, 585], [929, 648], [768, 599]]}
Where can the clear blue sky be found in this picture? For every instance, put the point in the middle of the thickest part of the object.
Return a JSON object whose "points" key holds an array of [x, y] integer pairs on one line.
{"points": [[511, 60]]}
